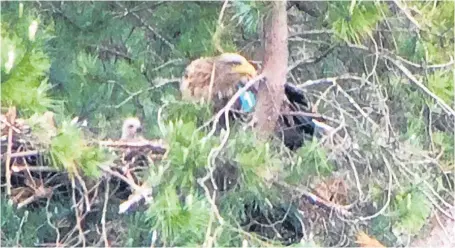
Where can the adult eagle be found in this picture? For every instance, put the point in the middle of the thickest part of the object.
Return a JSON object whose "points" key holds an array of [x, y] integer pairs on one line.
{"points": [[230, 72]]}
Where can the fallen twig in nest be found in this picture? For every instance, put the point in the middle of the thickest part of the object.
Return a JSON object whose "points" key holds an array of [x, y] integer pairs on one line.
{"points": [[11, 117], [156, 146]]}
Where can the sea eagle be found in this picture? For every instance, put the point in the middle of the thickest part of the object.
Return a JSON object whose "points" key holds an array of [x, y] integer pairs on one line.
{"points": [[230, 72]]}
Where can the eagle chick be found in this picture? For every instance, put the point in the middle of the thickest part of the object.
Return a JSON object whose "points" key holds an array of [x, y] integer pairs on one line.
{"points": [[131, 130]]}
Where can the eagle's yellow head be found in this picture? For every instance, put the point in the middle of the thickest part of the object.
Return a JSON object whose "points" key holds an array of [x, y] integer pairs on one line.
{"points": [[239, 64]]}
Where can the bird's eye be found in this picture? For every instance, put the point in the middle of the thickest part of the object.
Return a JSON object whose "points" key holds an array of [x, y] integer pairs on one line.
{"points": [[130, 126]]}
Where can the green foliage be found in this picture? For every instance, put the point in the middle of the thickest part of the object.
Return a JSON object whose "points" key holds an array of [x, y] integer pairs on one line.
{"points": [[106, 63], [437, 21], [415, 129], [438, 17], [187, 112], [445, 142], [188, 159], [412, 209], [25, 64], [381, 228], [248, 14], [28, 228], [418, 50], [96, 72], [437, 24], [410, 46], [137, 228], [310, 160], [258, 163], [441, 83], [353, 22], [190, 151], [192, 27], [179, 223], [70, 151]]}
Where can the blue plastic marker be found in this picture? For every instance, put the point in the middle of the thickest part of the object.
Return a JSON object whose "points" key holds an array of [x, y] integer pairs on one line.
{"points": [[247, 100]]}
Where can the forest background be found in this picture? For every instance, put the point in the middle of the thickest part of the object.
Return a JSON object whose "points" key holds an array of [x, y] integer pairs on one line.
{"points": [[381, 72]]}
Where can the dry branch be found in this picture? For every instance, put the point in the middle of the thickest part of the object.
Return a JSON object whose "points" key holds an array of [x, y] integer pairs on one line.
{"points": [[156, 146], [12, 117]]}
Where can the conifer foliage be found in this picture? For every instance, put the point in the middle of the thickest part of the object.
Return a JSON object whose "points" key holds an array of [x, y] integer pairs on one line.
{"points": [[379, 74]]}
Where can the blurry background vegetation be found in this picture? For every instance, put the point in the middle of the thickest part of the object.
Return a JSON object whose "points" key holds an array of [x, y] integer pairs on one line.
{"points": [[104, 61]]}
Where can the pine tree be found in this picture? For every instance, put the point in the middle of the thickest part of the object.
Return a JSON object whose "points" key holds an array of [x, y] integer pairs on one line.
{"points": [[377, 71]]}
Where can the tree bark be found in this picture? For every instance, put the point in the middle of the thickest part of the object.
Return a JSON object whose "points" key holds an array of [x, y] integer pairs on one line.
{"points": [[271, 93]]}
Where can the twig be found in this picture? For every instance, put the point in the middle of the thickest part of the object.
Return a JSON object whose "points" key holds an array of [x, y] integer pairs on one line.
{"points": [[354, 103], [311, 32], [85, 190], [212, 81], [131, 183], [114, 52], [159, 120], [376, 57], [18, 234], [103, 217], [143, 22], [313, 115], [76, 213], [356, 176], [131, 96], [433, 201], [48, 218], [143, 193], [8, 161], [153, 241], [322, 96], [12, 115], [24, 154], [157, 146], [406, 72], [11, 126], [216, 36], [166, 64], [388, 55], [308, 83], [389, 192], [209, 226], [408, 15], [40, 193], [436, 215], [19, 168], [312, 60]]}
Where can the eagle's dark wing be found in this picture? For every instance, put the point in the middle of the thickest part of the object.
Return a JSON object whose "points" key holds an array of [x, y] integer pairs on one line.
{"points": [[294, 128]]}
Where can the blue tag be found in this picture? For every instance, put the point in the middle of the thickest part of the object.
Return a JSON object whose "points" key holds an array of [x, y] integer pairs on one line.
{"points": [[247, 100]]}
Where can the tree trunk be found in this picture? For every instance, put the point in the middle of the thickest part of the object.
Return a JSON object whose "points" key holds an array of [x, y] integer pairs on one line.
{"points": [[271, 93]]}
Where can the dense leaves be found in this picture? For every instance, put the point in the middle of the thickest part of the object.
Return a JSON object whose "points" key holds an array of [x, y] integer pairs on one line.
{"points": [[104, 61]]}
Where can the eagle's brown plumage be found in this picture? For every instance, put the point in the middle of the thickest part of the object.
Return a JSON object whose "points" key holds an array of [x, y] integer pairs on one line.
{"points": [[229, 70]]}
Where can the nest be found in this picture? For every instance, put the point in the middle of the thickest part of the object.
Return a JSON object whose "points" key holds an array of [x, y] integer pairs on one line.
{"points": [[30, 177]]}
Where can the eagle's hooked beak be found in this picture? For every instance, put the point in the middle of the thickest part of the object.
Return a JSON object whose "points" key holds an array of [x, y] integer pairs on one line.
{"points": [[245, 69]]}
